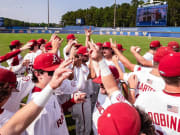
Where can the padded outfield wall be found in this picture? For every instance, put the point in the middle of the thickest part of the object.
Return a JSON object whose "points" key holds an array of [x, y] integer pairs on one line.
{"points": [[133, 31]]}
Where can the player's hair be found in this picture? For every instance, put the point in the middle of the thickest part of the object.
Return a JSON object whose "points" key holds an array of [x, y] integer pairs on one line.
{"points": [[147, 126], [5, 91], [154, 48], [11, 47], [34, 78], [172, 80], [31, 48]]}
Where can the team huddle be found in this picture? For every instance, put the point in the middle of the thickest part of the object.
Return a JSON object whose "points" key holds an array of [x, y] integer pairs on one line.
{"points": [[90, 81]]}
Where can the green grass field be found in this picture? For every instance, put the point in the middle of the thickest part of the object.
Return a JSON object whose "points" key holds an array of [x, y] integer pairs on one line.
{"points": [[126, 41]]}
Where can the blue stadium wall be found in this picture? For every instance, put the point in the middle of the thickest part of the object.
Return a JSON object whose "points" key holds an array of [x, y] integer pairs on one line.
{"points": [[133, 31]]}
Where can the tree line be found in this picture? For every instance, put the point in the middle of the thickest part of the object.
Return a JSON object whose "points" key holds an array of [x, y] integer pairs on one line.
{"points": [[125, 15], [11, 22]]}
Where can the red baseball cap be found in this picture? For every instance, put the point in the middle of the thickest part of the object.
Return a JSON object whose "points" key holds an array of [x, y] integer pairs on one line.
{"points": [[169, 66], [99, 44], [114, 72], [34, 42], [7, 76], [48, 46], [70, 36], [119, 119], [16, 42], [46, 62], [82, 50], [41, 41], [107, 44], [173, 45], [155, 43], [120, 47], [161, 52]]}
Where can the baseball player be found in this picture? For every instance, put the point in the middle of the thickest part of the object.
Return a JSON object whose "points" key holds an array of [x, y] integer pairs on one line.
{"points": [[41, 42], [174, 45], [51, 120], [71, 40], [7, 84], [110, 86], [17, 124], [31, 55], [148, 79], [108, 54], [153, 46], [163, 106], [13, 53], [82, 112], [103, 100], [24, 87]]}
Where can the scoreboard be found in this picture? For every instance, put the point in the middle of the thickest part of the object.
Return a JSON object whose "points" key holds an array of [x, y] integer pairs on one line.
{"points": [[152, 15]]}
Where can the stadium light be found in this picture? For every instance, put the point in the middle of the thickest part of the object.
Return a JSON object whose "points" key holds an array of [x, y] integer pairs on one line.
{"points": [[48, 13], [114, 13]]}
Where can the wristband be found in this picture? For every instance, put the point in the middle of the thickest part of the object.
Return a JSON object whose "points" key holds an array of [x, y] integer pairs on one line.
{"points": [[132, 89], [105, 71], [44, 96]]}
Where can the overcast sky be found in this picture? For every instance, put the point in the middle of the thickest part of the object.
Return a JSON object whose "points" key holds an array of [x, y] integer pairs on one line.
{"points": [[36, 10]]}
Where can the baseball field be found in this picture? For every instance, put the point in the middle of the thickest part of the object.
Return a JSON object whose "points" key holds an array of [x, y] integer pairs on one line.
{"points": [[126, 41]]}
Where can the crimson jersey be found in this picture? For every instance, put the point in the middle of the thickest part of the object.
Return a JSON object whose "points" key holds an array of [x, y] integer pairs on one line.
{"points": [[164, 110]]}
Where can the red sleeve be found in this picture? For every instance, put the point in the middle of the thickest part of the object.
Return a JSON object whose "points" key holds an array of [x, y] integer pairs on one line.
{"points": [[68, 104], [9, 55]]}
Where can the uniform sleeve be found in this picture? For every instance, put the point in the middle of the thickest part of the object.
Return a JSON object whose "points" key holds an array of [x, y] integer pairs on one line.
{"points": [[66, 56], [117, 97], [67, 87], [121, 66], [9, 55]]}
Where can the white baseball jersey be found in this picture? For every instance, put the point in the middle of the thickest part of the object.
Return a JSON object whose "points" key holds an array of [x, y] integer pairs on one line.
{"points": [[25, 85], [67, 87], [66, 56], [147, 82], [31, 57], [5, 116], [148, 56], [164, 110], [82, 112], [50, 121], [111, 63], [103, 101]]}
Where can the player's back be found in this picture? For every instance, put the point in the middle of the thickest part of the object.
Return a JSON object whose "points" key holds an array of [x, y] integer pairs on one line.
{"points": [[163, 108]]}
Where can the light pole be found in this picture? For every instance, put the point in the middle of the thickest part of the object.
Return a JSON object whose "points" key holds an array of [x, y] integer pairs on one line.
{"points": [[48, 13], [114, 13]]}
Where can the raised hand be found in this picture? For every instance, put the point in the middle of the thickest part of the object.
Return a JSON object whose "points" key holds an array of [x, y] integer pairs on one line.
{"points": [[26, 46], [60, 74], [133, 81], [113, 45], [88, 32], [94, 52]]}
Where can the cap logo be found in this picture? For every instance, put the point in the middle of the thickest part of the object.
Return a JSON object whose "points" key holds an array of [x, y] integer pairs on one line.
{"points": [[55, 59], [162, 72]]}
